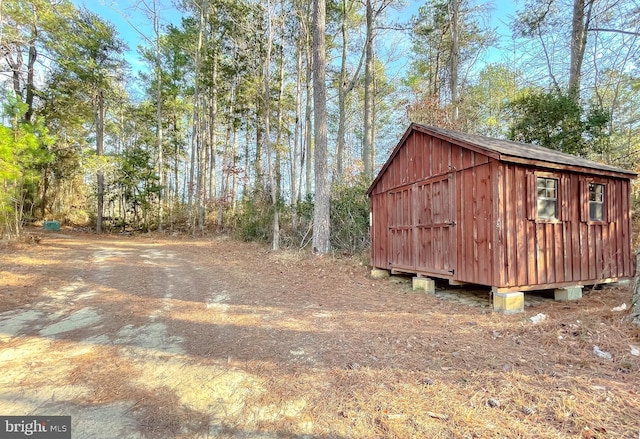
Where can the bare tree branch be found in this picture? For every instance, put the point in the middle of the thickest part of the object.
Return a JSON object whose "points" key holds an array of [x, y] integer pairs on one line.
{"points": [[618, 31]]}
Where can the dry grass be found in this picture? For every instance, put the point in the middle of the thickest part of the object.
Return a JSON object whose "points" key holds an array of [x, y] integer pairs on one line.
{"points": [[159, 411], [550, 390], [107, 384], [460, 375]]}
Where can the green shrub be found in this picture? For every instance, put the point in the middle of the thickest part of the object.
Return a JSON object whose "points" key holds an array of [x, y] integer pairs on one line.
{"points": [[253, 218], [350, 216]]}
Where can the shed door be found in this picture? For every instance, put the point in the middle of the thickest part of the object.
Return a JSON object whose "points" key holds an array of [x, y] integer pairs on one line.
{"points": [[435, 225], [401, 228], [421, 226]]}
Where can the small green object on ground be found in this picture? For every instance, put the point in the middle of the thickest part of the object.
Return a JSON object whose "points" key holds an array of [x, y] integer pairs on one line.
{"points": [[51, 225]]}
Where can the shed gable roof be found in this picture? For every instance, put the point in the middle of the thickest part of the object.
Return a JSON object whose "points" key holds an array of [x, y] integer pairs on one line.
{"points": [[507, 151]]}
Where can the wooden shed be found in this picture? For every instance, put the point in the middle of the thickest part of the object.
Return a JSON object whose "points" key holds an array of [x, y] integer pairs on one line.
{"points": [[509, 215]]}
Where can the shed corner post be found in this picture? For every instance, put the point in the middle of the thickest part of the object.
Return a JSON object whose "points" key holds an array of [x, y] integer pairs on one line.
{"points": [[497, 231]]}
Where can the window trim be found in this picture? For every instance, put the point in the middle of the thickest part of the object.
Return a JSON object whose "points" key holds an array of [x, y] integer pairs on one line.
{"points": [[558, 180], [564, 196]]}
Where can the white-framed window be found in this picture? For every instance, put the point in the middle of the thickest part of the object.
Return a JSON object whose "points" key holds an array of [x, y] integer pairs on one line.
{"points": [[547, 190], [596, 202]]}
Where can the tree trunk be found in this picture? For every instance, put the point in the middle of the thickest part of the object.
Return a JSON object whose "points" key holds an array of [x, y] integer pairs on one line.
{"points": [[321, 226], [245, 180], [176, 191], [16, 71], [337, 177], [99, 153], [192, 195], [280, 122], [455, 58], [33, 54], [195, 132], [367, 146], [45, 189], [308, 147], [257, 164], [344, 88], [226, 169], [234, 177], [228, 159], [158, 72], [293, 159], [205, 150], [272, 156], [213, 138], [579, 25]]}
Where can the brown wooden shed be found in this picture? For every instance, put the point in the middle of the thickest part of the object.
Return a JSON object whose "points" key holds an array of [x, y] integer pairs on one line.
{"points": [[509, 215]]}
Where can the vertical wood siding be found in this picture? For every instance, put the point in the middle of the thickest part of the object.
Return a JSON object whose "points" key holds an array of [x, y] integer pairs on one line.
{"points": [[379, 226], [401, 228], [570, 249], [434, 220], [415, 209], [448, 211], [475, 217]]}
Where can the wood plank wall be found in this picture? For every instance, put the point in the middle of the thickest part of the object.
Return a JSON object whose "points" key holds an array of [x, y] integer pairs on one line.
{"points": [[434, 214], [571, 249], [379, 231], [401, 228], [474, 225], [422, 165]]}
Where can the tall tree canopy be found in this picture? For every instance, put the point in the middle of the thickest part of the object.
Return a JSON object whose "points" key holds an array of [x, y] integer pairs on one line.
{"points": [[218, 121]]}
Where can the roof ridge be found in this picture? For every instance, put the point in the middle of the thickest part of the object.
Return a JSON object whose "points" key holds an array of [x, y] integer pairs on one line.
{"points": [[513, 148]]}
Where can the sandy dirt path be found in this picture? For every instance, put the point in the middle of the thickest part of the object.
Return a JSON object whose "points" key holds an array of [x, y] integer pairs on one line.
{"points": [[143, 338], [123, 340]]}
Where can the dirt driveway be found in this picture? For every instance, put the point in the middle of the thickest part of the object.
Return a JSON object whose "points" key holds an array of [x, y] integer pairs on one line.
{"points": [[138, 337]]}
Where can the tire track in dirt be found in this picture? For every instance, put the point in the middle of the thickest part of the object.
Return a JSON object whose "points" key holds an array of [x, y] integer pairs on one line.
{"points": [[106, 348], [41, 347]]}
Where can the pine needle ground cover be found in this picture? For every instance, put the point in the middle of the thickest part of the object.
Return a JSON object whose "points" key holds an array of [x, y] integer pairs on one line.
{"points": [[149, 337]]}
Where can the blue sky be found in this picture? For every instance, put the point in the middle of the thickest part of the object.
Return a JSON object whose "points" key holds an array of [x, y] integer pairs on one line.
{"points": [[126, 18], [124, 15], [502, 12]]}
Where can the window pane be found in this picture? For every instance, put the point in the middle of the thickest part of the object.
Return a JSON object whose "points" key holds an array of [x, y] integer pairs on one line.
{"points": [[546, 209], [595, 212], [547, 197], [596, 202], [600, 193], [596, 192]]}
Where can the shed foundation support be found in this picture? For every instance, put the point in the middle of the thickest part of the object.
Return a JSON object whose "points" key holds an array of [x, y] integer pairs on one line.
{"points": [[508, 303], [425, 284], [377, 273], [565, 294]]}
